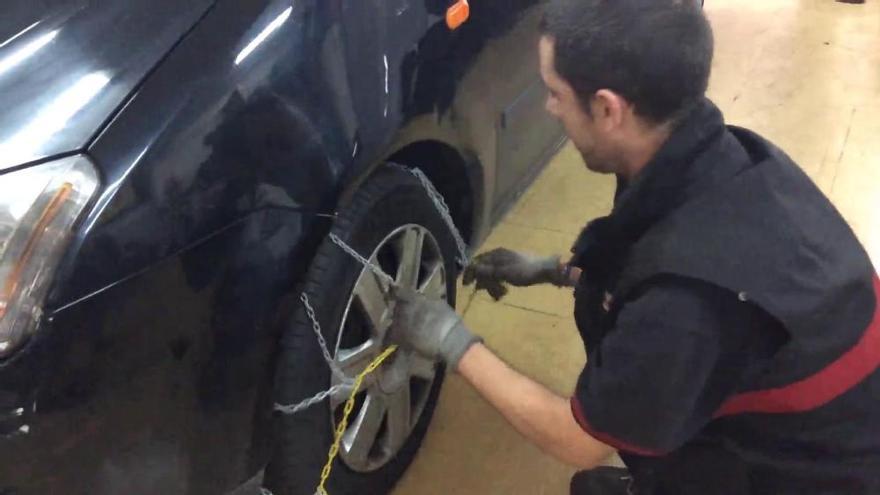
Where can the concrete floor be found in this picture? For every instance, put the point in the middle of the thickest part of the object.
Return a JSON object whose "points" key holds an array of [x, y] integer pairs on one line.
{"points": [[805, 74]]}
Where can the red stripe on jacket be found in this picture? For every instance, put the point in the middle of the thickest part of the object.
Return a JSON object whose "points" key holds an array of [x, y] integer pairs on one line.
{"points": [[847, 371]]}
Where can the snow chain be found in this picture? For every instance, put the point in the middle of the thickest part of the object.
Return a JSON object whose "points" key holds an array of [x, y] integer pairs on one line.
{"points": [[346, 384]]}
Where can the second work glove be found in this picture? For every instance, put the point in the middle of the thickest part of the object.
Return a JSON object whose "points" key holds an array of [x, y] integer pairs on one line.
{"points": [[501, 266], [430, 327]]}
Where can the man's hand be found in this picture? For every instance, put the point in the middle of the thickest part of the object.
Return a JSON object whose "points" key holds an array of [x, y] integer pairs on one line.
{"points": [[430, 327], [494, 269]]}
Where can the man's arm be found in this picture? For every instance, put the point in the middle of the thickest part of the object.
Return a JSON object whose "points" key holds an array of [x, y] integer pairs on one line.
{"points": [[537, 413]]}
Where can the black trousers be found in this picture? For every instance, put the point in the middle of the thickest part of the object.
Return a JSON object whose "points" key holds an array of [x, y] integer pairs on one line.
{"points": [[603, 481]]}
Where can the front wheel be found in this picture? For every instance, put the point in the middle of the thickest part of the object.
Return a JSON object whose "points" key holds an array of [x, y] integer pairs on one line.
{"points": [[392, 222]]}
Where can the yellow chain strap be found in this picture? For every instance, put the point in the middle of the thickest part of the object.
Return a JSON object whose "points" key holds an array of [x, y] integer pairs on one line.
{"points": [[343, 423]]}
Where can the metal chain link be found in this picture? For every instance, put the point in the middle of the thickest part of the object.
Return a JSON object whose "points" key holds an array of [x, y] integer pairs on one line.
{"points": [[443, 208], [346, 383], [341, 388], [354, 254], [316, 327], [343, 421]]}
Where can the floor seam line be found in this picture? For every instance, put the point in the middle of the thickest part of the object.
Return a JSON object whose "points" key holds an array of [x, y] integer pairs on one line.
{"points": [[842, 150], [526, 226], [531, 310]]}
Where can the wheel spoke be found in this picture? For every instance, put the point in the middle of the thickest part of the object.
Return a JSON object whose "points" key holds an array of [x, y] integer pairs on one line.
{"points": [[422, 367], [353, 361], [399, 411], [435, 285], [410, 258], [361, 434], [370, 295], [338, 398], [383, 421]]}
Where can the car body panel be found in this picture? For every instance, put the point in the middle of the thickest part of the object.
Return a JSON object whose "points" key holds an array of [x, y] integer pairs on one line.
{"points": [[154, 382], [220, 176], [66, 67]]}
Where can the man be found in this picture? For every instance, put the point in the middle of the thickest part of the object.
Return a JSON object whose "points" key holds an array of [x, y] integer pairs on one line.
{"points": [[729, 314]]}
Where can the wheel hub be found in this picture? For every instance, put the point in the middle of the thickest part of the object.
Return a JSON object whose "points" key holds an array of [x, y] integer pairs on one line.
{"points": [[394, 373], [393, 397]]}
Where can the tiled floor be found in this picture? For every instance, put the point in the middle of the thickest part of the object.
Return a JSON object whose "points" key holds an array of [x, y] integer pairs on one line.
{"points": [[805, 74]]}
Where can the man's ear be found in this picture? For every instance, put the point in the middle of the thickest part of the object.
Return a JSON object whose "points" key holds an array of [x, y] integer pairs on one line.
{"points": [[609, 109]]}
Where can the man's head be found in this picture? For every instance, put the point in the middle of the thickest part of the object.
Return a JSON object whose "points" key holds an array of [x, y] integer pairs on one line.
{"points": [[620, 73]]}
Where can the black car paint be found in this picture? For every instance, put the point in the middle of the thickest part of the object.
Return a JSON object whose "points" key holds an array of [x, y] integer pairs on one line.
{"points": [[153, 372], [68, 41]]}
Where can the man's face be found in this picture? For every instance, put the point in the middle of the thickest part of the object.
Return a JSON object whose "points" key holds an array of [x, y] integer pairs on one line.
{"points": [[584, 131]]}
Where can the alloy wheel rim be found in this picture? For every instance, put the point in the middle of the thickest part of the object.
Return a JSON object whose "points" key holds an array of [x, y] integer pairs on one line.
{"points": [[392, 398]]}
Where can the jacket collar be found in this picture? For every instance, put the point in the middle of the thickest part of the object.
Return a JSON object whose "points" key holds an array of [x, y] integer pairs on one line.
{"points": [[696, 155], [684, 165]]}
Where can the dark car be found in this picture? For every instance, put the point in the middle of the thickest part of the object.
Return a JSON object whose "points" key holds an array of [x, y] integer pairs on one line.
{"points": [[170, 175]]}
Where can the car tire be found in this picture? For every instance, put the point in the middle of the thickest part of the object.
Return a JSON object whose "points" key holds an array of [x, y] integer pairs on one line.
{"points": [[392, 202]]}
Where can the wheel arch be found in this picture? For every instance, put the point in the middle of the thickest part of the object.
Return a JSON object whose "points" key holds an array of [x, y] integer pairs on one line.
{"points": [[457, 175]]}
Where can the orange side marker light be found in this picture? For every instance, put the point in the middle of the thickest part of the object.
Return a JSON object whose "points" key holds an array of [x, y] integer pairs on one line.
{"points": [[458, 14]]}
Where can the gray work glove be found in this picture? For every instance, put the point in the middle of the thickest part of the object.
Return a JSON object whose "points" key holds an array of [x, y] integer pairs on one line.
{"points": [[429, 327], [501, 266]]}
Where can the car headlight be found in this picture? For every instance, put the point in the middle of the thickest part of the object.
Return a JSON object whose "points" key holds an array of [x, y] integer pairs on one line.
{"points": [[38, 208]]}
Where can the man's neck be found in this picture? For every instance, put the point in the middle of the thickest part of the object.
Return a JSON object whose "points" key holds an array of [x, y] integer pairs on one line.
{"points": [[641, 150]]}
